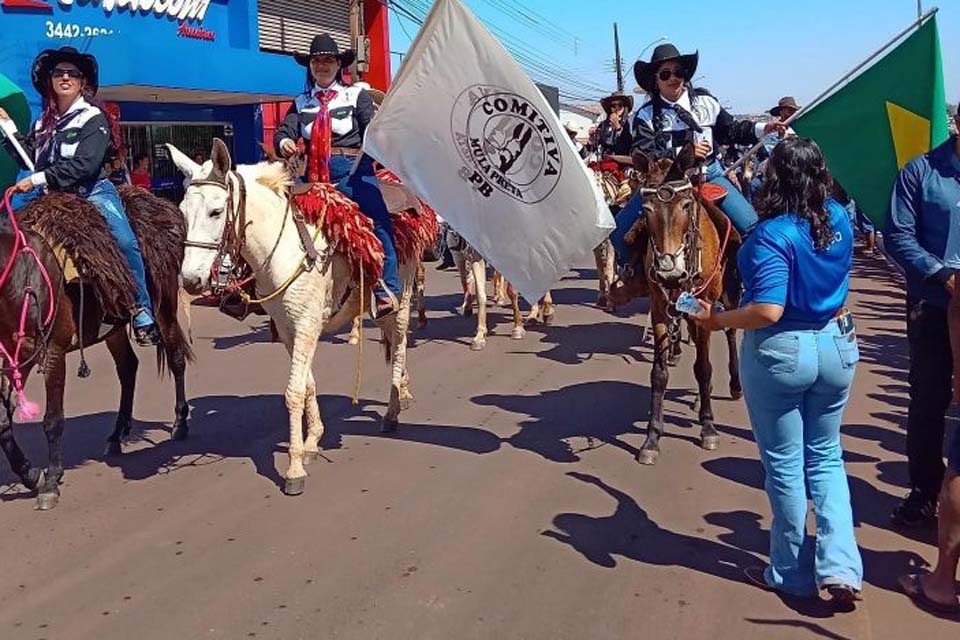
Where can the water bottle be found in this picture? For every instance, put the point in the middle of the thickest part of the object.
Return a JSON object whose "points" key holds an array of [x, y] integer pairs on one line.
{"points": [[687, 303]]}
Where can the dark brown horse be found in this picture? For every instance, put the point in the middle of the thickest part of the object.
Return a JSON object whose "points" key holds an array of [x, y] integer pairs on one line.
{"points": [[93, 310], [685, 242]]}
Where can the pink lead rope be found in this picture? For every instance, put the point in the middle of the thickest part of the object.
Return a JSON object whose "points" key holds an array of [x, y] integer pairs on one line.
{"points": [[26, 409]]}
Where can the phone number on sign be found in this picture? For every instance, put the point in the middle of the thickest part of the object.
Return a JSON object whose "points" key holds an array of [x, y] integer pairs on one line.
{"points": [[67, 30]]}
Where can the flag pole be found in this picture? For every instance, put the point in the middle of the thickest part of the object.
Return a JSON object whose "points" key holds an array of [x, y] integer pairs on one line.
{"points": [[829, 90]]}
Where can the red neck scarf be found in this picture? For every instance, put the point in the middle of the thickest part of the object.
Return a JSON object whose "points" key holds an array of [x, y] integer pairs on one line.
{"points": [[318, 168]]}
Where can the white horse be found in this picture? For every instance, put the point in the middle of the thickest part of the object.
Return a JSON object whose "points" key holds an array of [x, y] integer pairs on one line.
{"points": [[215, 212]]}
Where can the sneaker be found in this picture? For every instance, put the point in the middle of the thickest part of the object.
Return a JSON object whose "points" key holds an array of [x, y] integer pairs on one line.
{"points": [[918, 508]]}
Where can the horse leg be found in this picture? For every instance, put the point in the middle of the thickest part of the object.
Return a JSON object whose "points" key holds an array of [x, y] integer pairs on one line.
{"points": [[311, 444], [659, 377], [548, 308], [397, 328], [55, 381], [354, 338], [479, 270], [465, 269], [29, 475], [126, 363], [736, 390], [302, 346], [421, 292], [518, 330], [703, 370], [603, 255]]}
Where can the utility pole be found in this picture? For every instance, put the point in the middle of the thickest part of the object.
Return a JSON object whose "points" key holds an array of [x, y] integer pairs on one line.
{"points": [[617, 59]]}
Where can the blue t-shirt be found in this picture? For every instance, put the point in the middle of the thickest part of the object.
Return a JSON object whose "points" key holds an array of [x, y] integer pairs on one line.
{"points": [[779, 265]]}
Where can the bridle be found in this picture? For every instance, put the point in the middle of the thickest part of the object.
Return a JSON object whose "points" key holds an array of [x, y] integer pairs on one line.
{"points": [[233, 236], [665, 262]]}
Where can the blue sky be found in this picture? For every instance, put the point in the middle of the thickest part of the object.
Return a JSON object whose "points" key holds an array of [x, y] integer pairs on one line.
{"points": [[751, 52]]}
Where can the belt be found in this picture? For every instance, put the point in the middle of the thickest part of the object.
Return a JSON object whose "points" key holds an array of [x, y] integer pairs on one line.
{"points": [[345, 151]]}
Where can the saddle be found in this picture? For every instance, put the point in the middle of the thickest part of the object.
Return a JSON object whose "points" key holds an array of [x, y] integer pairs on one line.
{"points": [[87, 251]]}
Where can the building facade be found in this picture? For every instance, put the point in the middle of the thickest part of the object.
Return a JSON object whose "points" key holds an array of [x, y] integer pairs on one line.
{"points": [[186, 71]]}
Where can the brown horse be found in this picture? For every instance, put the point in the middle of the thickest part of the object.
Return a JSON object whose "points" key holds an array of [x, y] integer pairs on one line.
{"points": [[685, 241], [93, 310]]}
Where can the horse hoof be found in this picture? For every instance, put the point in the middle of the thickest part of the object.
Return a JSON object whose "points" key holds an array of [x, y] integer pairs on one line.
{"points": [[518, 333], [736, 394], [422, 324], [310, 457], [389, 425], [406, 403], [710, 443], [548, 320], [602, 301], [47, 501], [180, 432], [294, 486], [353, 341], [113, 449], [478, 345], [648, 457]]}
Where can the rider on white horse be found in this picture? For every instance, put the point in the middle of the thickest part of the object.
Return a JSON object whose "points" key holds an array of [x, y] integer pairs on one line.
{"points": [[331, 118]]}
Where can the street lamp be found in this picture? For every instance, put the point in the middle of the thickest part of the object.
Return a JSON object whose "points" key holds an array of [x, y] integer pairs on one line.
{"points": [[658, 40]]}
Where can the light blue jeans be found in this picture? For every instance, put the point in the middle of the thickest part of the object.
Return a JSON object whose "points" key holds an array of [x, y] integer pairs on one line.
{"points": [[741, 213], [796, 381]]}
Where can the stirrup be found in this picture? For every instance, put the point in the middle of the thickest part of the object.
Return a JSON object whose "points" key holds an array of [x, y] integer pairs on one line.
{"points": [[378, 313], [147, 335]]}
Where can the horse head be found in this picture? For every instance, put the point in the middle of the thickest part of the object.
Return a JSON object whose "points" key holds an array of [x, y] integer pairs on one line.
{"points": [[204, 207], [671, 215]]}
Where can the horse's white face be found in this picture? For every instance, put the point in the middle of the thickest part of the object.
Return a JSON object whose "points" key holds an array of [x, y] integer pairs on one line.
{"points": [[204, 209]]}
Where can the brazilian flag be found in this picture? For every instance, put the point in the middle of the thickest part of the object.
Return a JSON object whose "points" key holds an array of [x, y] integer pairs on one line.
{"points": [[875, 124], [14, 103]]}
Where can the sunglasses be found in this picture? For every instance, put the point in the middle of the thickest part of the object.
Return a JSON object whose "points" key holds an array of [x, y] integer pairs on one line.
{"points": [[70, 73], [666, 74]]}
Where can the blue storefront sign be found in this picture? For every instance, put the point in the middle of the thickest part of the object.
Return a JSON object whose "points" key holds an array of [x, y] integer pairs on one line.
{"points": [[163, 61]]}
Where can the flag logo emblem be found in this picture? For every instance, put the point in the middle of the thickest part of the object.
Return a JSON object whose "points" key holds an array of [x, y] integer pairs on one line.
{"points": [[506, 144]]}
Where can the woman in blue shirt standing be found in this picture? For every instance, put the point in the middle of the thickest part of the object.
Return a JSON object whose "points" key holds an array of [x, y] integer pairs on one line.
{"points": [[797, 364]]}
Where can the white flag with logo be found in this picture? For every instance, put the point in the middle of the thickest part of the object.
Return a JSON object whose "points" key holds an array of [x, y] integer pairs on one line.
{"points": [[467, 130]]}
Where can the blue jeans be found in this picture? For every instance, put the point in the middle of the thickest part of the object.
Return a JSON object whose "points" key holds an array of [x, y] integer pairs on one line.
{"points": [[741, 213], [363, 188], [105, 198], [796, 381]]}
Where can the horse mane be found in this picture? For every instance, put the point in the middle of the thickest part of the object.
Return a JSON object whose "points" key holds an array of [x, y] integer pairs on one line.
{"points": [[272, 175], [68, 221]]}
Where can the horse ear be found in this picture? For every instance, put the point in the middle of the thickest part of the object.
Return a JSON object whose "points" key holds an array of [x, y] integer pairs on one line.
{"points": [[221, 157], [641, 162], [686, 158], [187, 166]]}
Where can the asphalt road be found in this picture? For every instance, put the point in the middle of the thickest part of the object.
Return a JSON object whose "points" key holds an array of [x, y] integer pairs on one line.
{"points": [[509, 505]]}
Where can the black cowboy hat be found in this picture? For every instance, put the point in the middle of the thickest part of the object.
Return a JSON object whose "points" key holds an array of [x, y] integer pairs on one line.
{"points": [[325, 45], [45, 62], [645, 72], [616, 95], [788, 102]]}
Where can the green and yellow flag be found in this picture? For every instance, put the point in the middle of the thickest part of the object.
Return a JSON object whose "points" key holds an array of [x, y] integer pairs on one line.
{"points": [[886, 116], [14, 103]]}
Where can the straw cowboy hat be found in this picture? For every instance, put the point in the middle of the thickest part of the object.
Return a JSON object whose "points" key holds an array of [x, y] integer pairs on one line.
{"points": [[788, 103], [607, 102], [45, 62], [325, 45], [646, 72]]}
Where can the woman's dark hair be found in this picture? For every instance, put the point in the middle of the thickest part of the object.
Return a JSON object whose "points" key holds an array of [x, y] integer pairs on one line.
{"points": [[308, 82], [685, 116], [139, 158], [797, 182], [48, 119]]}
